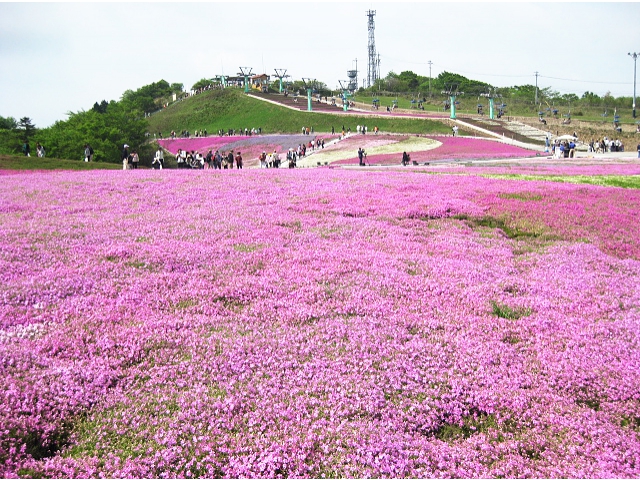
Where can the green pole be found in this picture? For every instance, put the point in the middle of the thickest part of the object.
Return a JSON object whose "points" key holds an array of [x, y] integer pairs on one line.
{"points": [[246, 84], [308, 99], [491, 113], [280, 85], [345, 102], [453, 106]]}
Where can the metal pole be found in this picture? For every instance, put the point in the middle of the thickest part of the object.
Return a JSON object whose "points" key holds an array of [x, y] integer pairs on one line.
{"points": [[635, 57]]}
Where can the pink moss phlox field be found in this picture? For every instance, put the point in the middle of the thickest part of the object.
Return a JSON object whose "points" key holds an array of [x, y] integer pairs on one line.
{"points": [[452, 148], [316, 323], [544, 168], [250, 146]]}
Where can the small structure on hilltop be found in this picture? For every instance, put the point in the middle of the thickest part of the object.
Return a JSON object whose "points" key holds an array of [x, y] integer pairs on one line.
{"points": [[260, 82]]}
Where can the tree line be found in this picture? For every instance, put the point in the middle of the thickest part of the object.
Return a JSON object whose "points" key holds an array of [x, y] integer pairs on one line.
{"points": [[410, 83], [107, 126]]}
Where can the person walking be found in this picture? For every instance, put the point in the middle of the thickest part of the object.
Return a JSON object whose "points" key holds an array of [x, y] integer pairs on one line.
{"points": [[239, 161], [87, 153], [134, 160], [125, 156], [158, 160]]}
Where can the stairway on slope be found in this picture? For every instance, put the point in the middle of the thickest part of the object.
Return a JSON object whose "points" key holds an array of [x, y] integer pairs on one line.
{"points": [[510, 129]]}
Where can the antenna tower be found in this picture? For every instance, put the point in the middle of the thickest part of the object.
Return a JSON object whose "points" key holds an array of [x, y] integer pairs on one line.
{"points": [[374, 63]]}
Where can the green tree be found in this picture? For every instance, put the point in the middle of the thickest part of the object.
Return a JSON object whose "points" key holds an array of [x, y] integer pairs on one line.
{"points": [[150, 97], [27, 128], [10, 142], [202, 83], [100, 107], [410, 78], [8, 123], [107, 132]]}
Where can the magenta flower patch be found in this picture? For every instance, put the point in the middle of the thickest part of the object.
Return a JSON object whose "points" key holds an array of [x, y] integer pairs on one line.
{"points": [[315, 323]]}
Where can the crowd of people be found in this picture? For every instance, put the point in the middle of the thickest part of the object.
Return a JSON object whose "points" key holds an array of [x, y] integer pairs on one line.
{"points": [[224, 160], [563, 149], [566, 148], [217, 161], [606, 145]]}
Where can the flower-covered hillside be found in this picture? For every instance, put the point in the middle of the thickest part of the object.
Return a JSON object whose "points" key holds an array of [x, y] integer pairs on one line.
{"points": [[381, 149], [425, 149]]}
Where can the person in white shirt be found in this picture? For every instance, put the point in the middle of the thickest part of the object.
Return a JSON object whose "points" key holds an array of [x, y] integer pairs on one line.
{"points": [[158, 160]]}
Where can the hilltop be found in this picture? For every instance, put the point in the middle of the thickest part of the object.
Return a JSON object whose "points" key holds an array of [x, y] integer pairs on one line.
{"points": [[230, 108]]}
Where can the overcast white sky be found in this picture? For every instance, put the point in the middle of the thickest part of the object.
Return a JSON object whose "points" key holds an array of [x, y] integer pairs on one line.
{"points": [[61, 57]]}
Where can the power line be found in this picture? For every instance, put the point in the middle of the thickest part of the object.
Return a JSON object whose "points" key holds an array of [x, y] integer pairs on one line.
{"points": [[586, 81], [462, 71]]}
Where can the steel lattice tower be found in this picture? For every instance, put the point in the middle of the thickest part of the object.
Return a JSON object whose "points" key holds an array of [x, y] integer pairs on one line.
{"points": [[372, 69]]}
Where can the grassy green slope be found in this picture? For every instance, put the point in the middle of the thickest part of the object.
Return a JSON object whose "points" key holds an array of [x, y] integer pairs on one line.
{"points": [[20, 162], [232, 109]]}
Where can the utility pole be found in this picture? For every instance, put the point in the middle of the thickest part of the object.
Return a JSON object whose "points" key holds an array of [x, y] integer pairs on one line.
{"points": [[634, 55], [430, 63], [536, 74]]}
